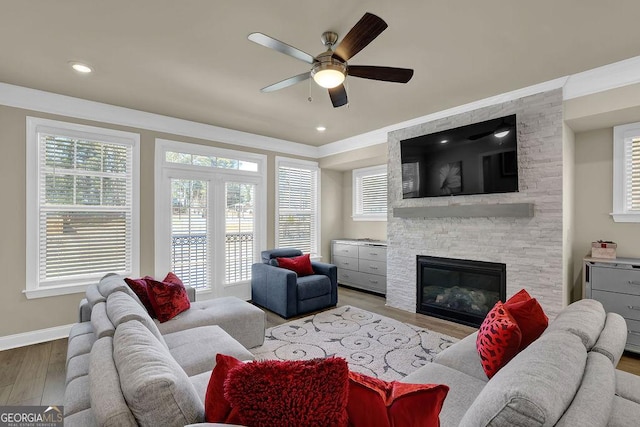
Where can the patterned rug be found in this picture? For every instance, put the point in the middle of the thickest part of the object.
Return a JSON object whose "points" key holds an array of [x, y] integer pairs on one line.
{"points": [[372, 344]]}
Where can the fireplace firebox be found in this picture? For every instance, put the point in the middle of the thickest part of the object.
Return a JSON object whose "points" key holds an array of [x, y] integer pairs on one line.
{"points": [[459, 290]]}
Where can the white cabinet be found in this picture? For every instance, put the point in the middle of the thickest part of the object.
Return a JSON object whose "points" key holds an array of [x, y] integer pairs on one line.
{"points": [[616, 284], [361, 264]]}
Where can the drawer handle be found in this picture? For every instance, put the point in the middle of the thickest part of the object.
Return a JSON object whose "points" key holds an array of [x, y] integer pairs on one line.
{"points": [[373, 267], [634, 333], [631, 282], [633, 307], [375, 282], [345, 263], [373, 253]]}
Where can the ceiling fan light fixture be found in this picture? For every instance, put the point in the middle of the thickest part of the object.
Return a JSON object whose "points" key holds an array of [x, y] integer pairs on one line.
{"points": [[328, 74]]}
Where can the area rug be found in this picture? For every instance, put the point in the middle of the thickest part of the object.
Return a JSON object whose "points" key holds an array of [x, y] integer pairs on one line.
{"points": [[372, 344]]}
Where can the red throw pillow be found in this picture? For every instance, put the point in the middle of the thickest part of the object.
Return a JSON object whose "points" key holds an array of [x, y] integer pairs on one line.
{"points": [[167, 298], [521, 296], [377, 403], [139, 287], [300, 264], [530, 318], [498, 339], [217, 408], [310, 393]]}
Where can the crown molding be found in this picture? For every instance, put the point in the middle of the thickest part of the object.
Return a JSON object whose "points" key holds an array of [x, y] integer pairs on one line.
{"points": [[380, 135], [607, 77], [63, 105]]}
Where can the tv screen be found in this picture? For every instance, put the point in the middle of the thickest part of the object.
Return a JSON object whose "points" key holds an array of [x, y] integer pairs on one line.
{"points": [[479, 158]]}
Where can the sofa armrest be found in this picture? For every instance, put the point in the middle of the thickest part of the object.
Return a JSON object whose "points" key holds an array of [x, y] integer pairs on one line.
{"points": [[331, 271], [84, 311], [191, 292], [275, 288]]}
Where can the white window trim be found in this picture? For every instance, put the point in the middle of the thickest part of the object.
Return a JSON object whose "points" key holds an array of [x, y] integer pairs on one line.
{"points": [[358, 174], [36, 125], [305, 164], [164, 170], [621, 135]]}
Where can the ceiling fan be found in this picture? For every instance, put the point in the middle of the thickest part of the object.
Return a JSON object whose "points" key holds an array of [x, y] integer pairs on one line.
{"points": [[330, 68]]}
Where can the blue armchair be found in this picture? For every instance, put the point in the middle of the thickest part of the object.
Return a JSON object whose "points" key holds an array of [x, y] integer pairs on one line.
{"points": [[283, 292]]}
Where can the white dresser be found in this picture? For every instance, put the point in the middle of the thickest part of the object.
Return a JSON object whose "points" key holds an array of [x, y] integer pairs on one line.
{"points": [[362, 263], [616, 284]]}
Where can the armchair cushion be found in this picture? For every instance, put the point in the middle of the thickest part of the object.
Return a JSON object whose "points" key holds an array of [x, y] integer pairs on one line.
{"points": [[313, 286]]}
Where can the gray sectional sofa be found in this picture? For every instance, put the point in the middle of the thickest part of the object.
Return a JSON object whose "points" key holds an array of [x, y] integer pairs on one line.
{"points": [[126, 369], [567, 377]]}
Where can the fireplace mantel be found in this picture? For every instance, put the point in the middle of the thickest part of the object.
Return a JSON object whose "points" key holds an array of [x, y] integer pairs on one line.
{"points": [[522, 210]]}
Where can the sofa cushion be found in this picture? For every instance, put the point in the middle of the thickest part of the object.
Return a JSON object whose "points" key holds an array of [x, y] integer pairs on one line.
{"points": [[463, 357], [584, 318], [301, 265], [168, 298], [80, 419], [529, 316], [139, 287], [313, 286], [195, 349], [376, 403], [156, 389], [593, 402], [111, 283], [613, 338], [107, 401], [93, 295], [76, 398], [624, 413], [463, 389], [243, 321], [121, 308], [80, 344], [280, 393], [526, 391], [628, 385], [102, 326], [498, 339], [77, 366]]}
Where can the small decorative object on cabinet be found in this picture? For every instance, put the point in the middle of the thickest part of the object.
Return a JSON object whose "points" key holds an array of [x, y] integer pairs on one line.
{"points": [[362, 263], [616, 284]]}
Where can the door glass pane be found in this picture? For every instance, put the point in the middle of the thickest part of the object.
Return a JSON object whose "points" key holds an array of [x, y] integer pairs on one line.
{"points": [[239, 231], [190, 256]]}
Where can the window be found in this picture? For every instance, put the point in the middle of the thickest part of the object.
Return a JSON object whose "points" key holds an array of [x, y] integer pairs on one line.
{"points": [[297, 216], [210, 215], [82, 205], [626, 173], [370, 194]]}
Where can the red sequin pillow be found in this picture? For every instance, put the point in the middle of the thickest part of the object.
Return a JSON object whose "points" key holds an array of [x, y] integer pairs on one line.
{"points": [[300, 264], [377, 403], [529, 316], [139, 287], [310, 393], [498, 339], [168, 298]]}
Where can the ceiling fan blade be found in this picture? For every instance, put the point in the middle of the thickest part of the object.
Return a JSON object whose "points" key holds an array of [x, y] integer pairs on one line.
{"points": [[387, 74], [338, 96], [271, 43], [287, 82], [366, 29]]}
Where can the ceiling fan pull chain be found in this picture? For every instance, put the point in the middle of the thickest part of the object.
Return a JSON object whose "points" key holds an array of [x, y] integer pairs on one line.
{"points": [[310, 99]]}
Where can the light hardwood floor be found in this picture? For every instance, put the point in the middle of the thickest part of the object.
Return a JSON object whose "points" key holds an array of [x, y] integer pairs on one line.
{"points": [[34, 375]]}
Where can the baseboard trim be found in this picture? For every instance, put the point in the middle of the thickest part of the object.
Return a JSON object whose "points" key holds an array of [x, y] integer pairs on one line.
{"points": [[34, 337]]}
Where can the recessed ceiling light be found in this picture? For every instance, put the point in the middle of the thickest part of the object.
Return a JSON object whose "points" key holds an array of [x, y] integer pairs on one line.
{"points": [[444, 141], [321, 128], [81, 68]]}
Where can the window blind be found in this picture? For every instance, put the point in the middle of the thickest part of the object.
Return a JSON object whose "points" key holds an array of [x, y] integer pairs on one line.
{"points": [[632, 174], [371, 194], [297, 208], [85, 207]]}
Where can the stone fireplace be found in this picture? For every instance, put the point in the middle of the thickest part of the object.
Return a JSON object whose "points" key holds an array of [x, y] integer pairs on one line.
{"points": [[459, 290], [531, 247]]}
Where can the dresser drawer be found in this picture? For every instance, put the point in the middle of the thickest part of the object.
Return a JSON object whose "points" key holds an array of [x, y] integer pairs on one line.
{"points": [[625, 280], [344, 250], [628, 306], [373, 253], [346, 263], [372, 267], [370, 282], [633, 334]]}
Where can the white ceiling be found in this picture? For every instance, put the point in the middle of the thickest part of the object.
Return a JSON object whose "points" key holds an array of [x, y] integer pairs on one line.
{"points": [[191, 59]]}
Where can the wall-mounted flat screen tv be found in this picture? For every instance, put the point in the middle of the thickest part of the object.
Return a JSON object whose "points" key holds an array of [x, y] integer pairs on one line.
{"points": [[479, 158]]}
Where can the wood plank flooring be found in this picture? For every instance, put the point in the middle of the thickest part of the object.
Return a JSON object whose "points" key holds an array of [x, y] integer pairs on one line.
{"points": [[34, 375]]}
